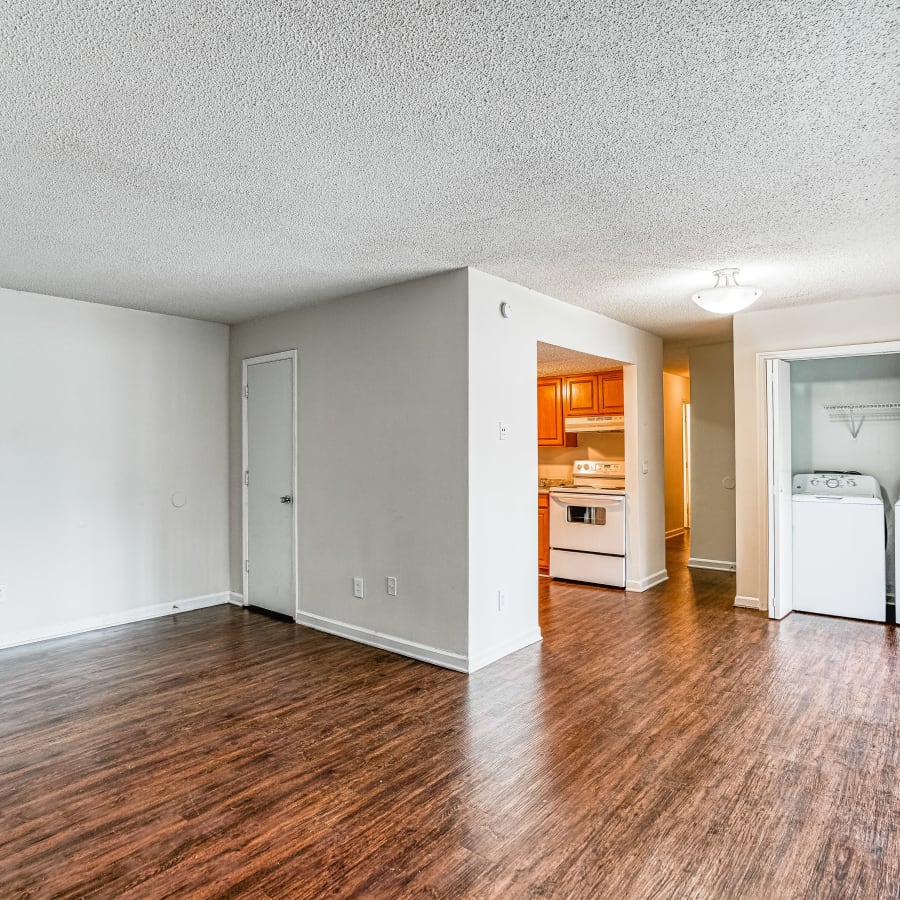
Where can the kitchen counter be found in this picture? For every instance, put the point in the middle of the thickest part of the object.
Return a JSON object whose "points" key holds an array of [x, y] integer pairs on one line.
{"points": [[545, 484]]}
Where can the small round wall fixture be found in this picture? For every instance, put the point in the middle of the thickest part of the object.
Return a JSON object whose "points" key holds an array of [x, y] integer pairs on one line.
{"points": [[726, 296], [506, 309]]}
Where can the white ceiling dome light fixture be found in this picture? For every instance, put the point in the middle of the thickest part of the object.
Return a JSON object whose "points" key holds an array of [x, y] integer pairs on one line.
{"points": [[727, 296]]}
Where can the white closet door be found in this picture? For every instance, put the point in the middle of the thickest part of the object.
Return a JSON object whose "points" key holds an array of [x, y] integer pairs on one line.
{"points": [[781, 576], [270, 466]]}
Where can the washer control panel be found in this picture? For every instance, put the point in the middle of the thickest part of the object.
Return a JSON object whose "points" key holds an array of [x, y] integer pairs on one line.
{"points": [[835, 484]]}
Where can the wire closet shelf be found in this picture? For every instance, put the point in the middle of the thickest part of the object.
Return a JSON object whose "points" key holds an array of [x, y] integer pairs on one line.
{"points": [[855, 414]]}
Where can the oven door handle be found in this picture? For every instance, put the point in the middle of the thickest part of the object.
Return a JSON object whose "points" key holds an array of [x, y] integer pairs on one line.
{"points": [[588, 500]]}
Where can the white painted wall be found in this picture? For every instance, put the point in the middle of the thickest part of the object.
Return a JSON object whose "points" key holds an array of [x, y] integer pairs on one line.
{"points": [[712, 457], [107, 413], [383, 456], [840, 324], [502, 369]]}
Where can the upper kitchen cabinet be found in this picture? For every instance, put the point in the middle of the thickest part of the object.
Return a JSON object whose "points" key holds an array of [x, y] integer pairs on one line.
{"points": [[582, 395], [550, 412], [594, 394], [551, 433], [612, 393]]}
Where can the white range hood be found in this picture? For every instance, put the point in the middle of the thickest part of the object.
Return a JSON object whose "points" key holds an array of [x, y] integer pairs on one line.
{"points": [[595, 423]]}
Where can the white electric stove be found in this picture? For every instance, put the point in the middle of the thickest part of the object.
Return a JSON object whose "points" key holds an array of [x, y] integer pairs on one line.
{"points": [[597, 475], [587, 524]]}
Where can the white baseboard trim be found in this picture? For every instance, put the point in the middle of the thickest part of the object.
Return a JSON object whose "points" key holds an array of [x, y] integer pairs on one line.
{"points": [[236, 599], [675, 532], [498, 651], [747, 602], [719, 565], [644, 584], [434, 655], [109, 620]]}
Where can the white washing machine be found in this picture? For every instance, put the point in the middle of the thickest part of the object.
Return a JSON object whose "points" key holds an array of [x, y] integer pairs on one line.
{"points": [[838, 546]]}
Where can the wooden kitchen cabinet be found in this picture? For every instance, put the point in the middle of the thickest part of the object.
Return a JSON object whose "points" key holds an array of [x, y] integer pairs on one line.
{"points": [[543, 532], [612, 393], [582, 395], [594, 394], [550, 392]]}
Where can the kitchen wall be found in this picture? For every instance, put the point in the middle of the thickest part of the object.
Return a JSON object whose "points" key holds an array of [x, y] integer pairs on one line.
{"points": [[556, 462], [502, 369], [113, 465], [383, 457], [712, 457], [676, 392], [843, 324]]}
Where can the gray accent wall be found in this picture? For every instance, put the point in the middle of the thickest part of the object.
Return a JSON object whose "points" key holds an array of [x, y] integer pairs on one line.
{"points": [[712, 456], [382, 457]]}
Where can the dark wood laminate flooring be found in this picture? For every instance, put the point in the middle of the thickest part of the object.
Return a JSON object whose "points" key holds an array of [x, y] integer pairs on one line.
{"points": [[656, 745]]}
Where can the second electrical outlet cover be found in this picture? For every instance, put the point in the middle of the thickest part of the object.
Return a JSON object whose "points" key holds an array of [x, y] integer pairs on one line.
{"points": [[358, 588]]}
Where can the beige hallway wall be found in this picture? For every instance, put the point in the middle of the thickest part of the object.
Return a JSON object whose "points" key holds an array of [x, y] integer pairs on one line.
{"points": [[676, 392], [712, 457]]}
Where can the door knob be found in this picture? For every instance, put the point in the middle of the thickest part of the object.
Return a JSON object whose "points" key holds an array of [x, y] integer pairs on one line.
{"points": [[287, 498]]}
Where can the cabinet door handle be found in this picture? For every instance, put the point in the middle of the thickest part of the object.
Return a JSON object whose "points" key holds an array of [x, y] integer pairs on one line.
{"points": [[287, 498]]}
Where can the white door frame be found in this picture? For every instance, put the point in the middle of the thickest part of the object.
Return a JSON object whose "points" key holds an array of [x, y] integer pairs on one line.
{"points": [[779, 460], [245, 491], [873, 349]]}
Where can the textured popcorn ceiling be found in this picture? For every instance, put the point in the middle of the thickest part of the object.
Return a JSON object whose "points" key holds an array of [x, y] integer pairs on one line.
{"points": [[226, 160], [553, 360]]}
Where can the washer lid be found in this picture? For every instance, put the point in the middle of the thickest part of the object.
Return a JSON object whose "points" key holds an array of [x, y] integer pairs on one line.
{"points": [[834, 484]]}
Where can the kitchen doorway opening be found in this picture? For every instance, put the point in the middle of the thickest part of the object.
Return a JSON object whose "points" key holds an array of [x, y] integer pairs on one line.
{"points": [[581, 454]]}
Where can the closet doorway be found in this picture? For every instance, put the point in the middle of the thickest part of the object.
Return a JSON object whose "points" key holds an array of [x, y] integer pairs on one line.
{"points": [[815, 421]]}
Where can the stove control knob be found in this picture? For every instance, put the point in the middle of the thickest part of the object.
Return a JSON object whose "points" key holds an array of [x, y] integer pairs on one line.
{"points": [[832, 482]]}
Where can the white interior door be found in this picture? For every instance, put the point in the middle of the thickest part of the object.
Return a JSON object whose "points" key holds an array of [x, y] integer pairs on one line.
{"points": [[269, 456], [781, 576]]}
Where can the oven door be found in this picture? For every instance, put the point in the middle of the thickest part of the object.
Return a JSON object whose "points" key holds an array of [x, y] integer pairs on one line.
{"points": [[589, 523]]}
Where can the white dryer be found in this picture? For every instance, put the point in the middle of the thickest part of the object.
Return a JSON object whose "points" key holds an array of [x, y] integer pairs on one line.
{"points": [[838, 546]]}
